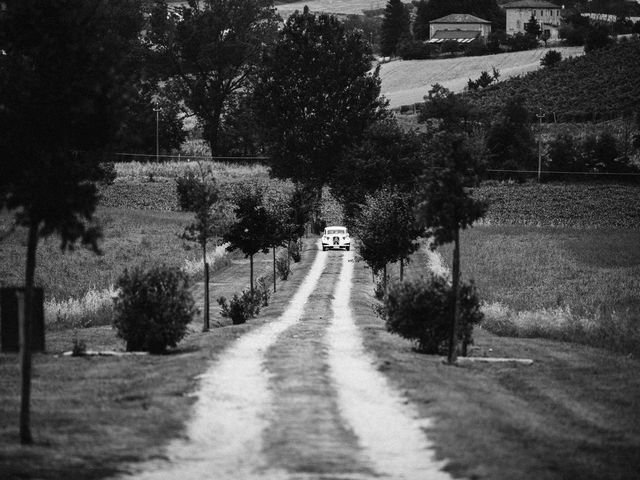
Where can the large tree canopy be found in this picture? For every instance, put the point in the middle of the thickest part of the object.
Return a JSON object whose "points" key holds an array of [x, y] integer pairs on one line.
{"points": [[395, 26], [315, 96], [385, 157], [208, 52], [66, 71], [66, 74]]}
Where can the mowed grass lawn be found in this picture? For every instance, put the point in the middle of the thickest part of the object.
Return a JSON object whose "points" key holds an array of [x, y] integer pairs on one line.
{"points": [[559, 283], [130, 238], [573, 414], [93, 415]]}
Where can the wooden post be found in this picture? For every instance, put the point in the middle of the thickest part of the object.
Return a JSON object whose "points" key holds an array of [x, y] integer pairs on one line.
{"points": [[453, 339], [25, 367], [251, 273], [274, 269], [205, 327]]}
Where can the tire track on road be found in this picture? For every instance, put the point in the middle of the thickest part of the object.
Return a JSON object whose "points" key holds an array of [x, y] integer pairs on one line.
{"points": [[308, 437], [223, 439], [387, 427]]}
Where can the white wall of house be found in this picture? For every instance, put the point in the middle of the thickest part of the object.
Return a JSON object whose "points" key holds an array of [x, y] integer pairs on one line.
{"points": [[483, 28], [518, 17]]}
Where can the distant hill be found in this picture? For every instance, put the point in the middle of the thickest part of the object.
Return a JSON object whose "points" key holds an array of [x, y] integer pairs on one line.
{"points": [[598, 86], [405, 82]]}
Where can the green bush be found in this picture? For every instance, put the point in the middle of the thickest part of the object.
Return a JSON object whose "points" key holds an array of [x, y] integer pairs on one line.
{"points": [[187, 187], [241, 307], [551, 58], [295, 249], [108, 173], [414, 50], [153, 308], [421, 310], [246, 305], [283, 266]]}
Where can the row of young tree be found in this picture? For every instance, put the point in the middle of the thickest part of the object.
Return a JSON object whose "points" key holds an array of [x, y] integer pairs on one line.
{"points": [[72, 71], [252, 219]]}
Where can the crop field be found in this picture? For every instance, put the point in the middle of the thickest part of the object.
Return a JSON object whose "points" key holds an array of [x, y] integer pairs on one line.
{"points": [[352, 7], [597, 86], [407, 82], [577, 205], [141, 226]]}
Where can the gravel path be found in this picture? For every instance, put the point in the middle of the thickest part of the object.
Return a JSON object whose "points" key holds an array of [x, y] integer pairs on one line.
{"points": [[299, 399]]}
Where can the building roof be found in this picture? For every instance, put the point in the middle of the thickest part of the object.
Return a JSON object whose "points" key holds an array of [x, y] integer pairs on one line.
{"points": [[531, 4], [460, 36], [459, 18]]}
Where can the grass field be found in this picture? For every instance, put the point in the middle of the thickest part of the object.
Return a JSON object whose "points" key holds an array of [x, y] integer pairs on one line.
{"points": [[407, 82], [558, 283], [93, 415], [573, 414], [141, 226], [345, 7]]}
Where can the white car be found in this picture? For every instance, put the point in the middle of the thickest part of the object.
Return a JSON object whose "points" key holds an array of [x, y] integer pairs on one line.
{"points": [[336, 237]]}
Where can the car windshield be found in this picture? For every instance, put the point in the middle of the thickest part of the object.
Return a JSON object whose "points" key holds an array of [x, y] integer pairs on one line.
{"points": [[335, 231]]}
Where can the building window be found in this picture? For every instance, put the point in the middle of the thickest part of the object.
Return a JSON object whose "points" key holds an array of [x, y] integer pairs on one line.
{"points": [[542, 13]]}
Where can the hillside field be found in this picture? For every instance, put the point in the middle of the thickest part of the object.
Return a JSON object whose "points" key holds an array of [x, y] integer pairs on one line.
{"points": [[346, 7], [599, 86], [407, 82]]}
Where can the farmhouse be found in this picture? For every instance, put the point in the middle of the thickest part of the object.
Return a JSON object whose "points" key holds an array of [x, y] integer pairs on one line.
{"points": [[546, 13], [460, 27]]}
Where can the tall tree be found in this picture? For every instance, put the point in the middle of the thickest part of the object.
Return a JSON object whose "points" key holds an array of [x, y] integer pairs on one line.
{"points": [[209, 221], [532, 27], [387, 230], [421, 23], [208, 51], [141, 131], [66, 73], [251, 233], [315, 96], [395, 26], [386, 156], [510, 143], [454, 112], [445, 205]]}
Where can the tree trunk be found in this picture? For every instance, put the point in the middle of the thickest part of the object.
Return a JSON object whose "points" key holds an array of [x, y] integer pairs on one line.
{"points": [[401, 269], [251, 273], [25, 336], [453, 340], [205, 327], [213, 134], [274, 269], [384, 278]]}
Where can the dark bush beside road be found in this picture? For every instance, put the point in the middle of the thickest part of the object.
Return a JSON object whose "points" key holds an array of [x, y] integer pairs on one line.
{"points": [[153, 308]]}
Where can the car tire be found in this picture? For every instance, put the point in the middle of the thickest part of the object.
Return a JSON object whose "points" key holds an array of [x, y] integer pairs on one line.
{"points": [[347, 248], [324, 249]]}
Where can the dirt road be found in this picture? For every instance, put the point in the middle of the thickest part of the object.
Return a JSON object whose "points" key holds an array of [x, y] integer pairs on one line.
{"points": [[299, 398]]}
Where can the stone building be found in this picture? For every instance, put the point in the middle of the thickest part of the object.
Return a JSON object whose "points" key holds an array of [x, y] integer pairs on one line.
{"points": [[460, 27], [546, 13]]}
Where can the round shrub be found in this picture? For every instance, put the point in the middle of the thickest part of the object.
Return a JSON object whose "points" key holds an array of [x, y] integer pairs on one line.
{"points": [[551, 58], [153, 308], [420, 310]]}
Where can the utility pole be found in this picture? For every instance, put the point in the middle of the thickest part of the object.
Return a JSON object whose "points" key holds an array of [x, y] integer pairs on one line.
{"points": [[157, 110], [540, 116]]}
